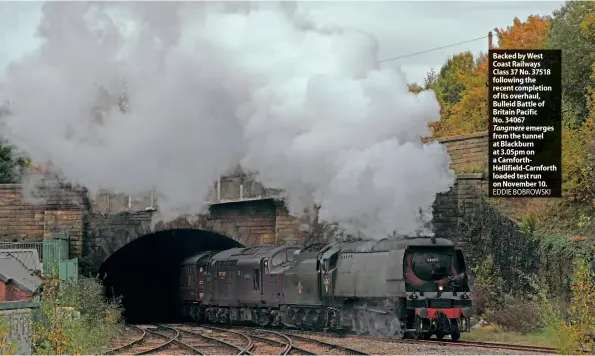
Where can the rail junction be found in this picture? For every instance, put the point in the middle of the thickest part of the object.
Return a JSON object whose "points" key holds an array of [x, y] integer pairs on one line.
{"points": [[191, 339]]}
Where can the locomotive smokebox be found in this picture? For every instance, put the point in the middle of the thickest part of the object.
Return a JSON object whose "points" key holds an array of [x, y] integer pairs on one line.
{"points": [[145, 272]]}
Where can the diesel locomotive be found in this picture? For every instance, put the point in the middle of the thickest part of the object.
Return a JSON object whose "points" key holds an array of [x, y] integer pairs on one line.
{"points": [[408, 287]]}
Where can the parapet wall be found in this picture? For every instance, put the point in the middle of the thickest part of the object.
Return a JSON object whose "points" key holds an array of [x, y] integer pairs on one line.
{"points": [[467, 151]]}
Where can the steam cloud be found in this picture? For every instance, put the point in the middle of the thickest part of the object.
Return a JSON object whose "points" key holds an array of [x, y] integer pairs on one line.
{"points": [[208, 85]]}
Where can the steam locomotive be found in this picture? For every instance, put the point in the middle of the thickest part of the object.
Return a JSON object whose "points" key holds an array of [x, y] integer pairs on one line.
{"points": [[397, 288]]}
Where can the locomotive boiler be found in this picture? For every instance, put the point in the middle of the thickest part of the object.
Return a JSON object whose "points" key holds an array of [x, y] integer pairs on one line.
{"points": [[392, 287]]}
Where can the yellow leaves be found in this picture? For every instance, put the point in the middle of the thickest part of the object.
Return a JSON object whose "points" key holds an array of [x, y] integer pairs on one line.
{"points": [[531, 34], [582, 308], [463, 99], [414, 88], [74, 318], [588, 23], [7, 346], [575, 332], [470, 113]]}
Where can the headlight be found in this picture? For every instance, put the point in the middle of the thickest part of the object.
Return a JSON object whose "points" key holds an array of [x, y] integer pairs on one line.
{"points": [[440, 288]]}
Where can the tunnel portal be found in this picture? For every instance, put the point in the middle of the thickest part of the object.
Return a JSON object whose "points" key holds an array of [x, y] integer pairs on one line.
{"points": [[145, 272]]}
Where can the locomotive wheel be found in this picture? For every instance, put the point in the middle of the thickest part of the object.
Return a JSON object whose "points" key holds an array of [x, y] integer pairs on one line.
{"points": [[264, 319], [359, 322], [396, 328], [455, 335], [419, 334], [371, 324], [439, 335], [383, 326]]}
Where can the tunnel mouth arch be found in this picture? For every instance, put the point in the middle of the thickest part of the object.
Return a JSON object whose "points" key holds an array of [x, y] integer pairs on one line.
{"points": [[145, 272]]}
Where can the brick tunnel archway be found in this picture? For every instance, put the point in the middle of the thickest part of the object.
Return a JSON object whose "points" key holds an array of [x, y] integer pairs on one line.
{"points": [[145, 274]]}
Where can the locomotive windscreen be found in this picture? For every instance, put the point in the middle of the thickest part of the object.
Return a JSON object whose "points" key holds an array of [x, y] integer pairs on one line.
{"points": [[426, 268]]}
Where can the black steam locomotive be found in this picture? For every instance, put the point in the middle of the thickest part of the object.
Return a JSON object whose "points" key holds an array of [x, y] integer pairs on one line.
{"points": [[393, 287]]}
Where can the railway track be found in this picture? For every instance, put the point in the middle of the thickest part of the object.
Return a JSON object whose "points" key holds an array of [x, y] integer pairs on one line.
{"points": [[292, 344], [189, 339], [125, 345], [496, 345], [447, 343], [176, 340], [220, 341]]}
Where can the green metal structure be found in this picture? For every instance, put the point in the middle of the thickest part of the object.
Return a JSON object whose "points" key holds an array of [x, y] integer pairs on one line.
{"points": [[69, 269], [54, 251], [56, 257]]}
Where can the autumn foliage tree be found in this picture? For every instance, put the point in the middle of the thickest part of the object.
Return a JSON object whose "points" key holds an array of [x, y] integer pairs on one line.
{"points": [[532, 34], [573, 33]]}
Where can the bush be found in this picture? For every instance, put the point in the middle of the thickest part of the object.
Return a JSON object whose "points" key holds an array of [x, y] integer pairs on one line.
{"points": [[518, 314], [480, 299], [575, 329], [75, 318], [7, 346]]}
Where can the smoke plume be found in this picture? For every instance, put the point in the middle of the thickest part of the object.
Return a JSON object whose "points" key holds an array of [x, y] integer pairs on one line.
{"points": [[144, 95]]}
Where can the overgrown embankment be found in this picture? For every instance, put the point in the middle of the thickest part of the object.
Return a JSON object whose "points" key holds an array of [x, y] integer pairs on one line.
{"points": [[75, 318], [533, 270]]}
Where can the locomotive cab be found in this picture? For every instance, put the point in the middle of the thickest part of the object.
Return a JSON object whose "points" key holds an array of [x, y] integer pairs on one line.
{"points": [[192, 285]]}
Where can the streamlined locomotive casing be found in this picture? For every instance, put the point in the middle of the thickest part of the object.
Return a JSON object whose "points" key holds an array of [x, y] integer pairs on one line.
{"points": [[358, 270], [373, 282]]}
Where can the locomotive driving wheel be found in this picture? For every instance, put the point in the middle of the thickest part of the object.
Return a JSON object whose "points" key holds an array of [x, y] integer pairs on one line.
{"points": [[418, 323], [359, 319], [440, 335], [455, 333], [396, 328]]}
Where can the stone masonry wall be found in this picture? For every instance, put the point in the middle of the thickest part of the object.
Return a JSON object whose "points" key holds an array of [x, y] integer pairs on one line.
{"points": [[241, 208], [465, 216], [32, 219], [467, 151], [253, 222], [21, 330]]}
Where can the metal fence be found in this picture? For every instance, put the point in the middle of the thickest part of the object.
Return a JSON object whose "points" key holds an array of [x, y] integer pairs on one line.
{"points": [[23, 245], [54, 254]]}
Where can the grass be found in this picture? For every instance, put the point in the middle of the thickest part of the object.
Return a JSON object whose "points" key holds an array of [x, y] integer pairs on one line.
{"points": [[471, 168], [491, 333]]}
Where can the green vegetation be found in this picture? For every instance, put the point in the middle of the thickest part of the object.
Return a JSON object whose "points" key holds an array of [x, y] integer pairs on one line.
{"points": [[492, 333], [75, 318], [472, 168], [556, 304], [11, 165], [7, 346]]}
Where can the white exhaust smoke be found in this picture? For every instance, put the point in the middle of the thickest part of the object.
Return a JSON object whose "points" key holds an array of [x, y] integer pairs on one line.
{"points": [[208, 85]]}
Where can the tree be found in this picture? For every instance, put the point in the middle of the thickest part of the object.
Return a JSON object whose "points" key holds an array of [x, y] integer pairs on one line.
{"points": [[12, 165], [414, 88], [449, 86], [572, 32], [430, 79], [464, 100], [532, 34]]}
